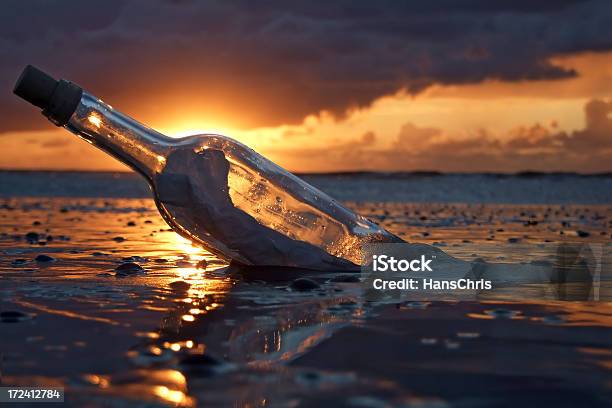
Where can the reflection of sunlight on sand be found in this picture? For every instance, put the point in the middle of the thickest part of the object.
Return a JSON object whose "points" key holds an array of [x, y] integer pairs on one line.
{"points": [[166, 393], [186, 246], [176, 394], [202, 286]]}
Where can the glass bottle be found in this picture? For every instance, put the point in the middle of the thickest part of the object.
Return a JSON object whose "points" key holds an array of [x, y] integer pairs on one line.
{"points": [[213, 190]]}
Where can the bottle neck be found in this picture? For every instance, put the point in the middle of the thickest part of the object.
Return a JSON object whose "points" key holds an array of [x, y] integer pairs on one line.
{"points": [[140, 147]]}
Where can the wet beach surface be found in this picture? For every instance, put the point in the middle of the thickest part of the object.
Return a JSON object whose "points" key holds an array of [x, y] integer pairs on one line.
{"points": [[99, 296]]}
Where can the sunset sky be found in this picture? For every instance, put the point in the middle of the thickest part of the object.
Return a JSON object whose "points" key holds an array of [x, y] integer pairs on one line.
{"points": [[475, 85]]}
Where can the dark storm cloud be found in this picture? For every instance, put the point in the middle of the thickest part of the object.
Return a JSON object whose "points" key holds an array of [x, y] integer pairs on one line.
{"points": [[273, 62]]}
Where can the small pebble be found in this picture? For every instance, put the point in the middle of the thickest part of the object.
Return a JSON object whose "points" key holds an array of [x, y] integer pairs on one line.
{"points": [[202, 365], [199, 360], [118, 239], [18, 262], [134, 258], [129, 268], [44, 258], [582, 234], [202, 264], [32, 237], [304, 285], [13, 316]]}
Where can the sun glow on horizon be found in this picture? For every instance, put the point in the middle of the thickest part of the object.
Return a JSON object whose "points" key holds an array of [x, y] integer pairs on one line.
{"points": [[492, 111]]}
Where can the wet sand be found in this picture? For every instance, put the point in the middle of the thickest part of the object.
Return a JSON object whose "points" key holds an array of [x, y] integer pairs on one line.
{"points": [[123, 311]]}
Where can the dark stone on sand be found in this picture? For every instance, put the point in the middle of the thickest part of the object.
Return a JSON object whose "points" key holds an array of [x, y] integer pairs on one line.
{"points": [[32, 237], [161, 260], [179, 286], [49, 238], [201, 364], [104, 274], [134, 258], [44, 258], [148, 222], [202, 264], [13, 316], [118, 239], [310, 376], [129, 268], [345, 279], [18, 262], [131, 224], [514, 240], [304, 285], [583, 234], [502, 313], [36, 223], [98, 253]]}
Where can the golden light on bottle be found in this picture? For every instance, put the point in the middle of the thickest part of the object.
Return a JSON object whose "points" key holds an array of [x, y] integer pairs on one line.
{"points": [[95, 120]]}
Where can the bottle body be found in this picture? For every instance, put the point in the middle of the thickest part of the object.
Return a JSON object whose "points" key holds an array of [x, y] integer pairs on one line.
{"points": [[214, 190], [255, 212]]}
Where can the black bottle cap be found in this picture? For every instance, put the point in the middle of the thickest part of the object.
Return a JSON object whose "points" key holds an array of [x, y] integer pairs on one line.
{"points": [[57, 99]]}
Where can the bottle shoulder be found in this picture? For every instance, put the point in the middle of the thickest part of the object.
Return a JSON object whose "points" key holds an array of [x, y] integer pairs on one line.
{"points": [[207, 139]]}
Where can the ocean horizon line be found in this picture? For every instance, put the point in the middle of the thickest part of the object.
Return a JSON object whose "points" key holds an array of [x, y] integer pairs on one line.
{"points": [[352, 173]]}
